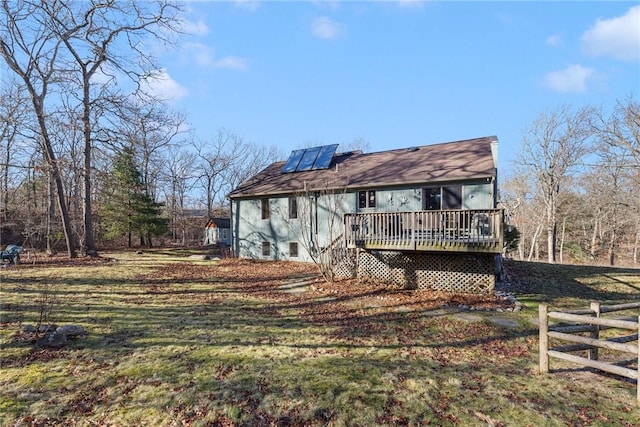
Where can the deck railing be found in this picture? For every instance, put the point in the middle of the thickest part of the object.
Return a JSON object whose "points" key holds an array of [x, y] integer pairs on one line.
{"points": [[459, 230]]}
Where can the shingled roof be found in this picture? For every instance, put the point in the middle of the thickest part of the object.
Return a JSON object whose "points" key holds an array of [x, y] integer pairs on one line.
{"points": [[450, 161]]}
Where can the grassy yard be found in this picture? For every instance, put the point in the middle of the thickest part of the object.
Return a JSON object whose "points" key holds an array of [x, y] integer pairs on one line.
{"points": [[174, 340]]}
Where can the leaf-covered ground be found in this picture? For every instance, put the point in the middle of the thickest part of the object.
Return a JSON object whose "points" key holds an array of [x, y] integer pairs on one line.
{"points": [[174, 340]]}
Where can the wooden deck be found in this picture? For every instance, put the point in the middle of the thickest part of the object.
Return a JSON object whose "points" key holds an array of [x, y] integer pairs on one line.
{"points": [[475, 231]]}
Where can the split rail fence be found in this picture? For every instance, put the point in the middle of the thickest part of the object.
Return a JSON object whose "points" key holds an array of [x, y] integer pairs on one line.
{"points": [[575, 324]]}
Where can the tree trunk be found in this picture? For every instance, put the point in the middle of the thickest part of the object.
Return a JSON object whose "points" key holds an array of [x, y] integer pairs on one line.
{"points": [[551, 242], [534, 242], [594, 240], [5, 184], [50, 215], [564, 226], [62, 205], [90, 245], [612, 248]]}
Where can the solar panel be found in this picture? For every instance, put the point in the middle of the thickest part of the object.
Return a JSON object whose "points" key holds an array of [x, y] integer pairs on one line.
{"points": [[308, 159], [292, 163], [324, 157]]}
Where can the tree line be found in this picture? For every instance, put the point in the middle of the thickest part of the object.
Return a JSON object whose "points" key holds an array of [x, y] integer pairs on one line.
{"points": [[82, 135], [576, 194]]}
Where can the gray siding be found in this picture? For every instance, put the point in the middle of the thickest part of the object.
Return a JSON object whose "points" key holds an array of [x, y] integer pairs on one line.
{"points": [[250, 230], [477, 196], [320, 221]]}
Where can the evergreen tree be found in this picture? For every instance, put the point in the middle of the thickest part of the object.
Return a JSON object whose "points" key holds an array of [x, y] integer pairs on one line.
{"points": [[127, 208]]}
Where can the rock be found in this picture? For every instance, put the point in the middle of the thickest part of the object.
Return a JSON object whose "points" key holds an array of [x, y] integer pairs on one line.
{"points": [[52, 340], [71, 331], [28, 329], [47, 328]]}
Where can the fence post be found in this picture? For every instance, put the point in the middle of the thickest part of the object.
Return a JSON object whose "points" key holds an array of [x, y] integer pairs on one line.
{"points": [[595, 332], [544, 338]]}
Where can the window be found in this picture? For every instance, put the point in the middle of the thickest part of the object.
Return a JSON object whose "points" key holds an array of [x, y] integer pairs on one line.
{"points": [[366, 199], [438, 198], [293, 249], [265, 208], [266, 249], [224, 234], [431, 199], [452, 197], [293, 207]]}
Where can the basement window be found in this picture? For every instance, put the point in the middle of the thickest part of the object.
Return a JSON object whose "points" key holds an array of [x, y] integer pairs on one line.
{"points": [[293, 249]]}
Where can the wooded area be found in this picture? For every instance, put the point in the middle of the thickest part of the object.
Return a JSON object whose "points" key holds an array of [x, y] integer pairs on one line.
{"points": [[76, 98], [577, 186]]}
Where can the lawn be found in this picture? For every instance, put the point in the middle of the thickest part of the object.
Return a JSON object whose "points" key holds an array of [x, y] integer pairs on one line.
{"points": [[175, 340]]}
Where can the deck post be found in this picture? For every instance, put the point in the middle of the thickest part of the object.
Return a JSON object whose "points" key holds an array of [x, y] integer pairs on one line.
{"points": [[544, 338]]}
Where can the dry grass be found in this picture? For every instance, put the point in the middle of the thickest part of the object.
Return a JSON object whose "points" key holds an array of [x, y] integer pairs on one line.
{"points": [[178, 341]]}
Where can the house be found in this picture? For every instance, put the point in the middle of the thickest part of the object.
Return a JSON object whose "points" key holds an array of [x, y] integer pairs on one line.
{"points": [[218, 232], [423, 216]]}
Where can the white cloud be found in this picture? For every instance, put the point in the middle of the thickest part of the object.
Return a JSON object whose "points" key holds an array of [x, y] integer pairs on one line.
{"points": [[326, 28], [326, 4], [198, 28], [204, 56], [617, 37], [554, 40], [249, 5], [574, 78], [231, 62], [163, 86], [411, 4]]}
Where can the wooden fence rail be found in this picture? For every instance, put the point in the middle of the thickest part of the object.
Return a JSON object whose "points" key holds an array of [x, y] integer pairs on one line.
{"points": [[583, 321]]}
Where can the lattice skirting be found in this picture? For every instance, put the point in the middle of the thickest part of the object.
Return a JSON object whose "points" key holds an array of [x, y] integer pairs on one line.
{"points": [[468, 273], [345, 262]]}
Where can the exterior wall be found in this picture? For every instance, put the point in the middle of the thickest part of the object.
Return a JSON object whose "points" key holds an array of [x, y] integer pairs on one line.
{"points": [[319, 222], [478, 196], [475, 195], [217, 235], [320, 218]]}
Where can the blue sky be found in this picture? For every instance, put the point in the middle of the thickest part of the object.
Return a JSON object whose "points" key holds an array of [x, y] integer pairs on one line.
{"points": [[396, 74]]}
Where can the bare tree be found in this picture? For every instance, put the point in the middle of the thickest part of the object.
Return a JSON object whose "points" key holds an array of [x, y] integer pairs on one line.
{"points": [[247, 159], [93, 34], [31, 50], [213, 158], [518, 196], [621, 130], [179, 180], [553, 146], [151, 130], [13, 115], [225, 162], [320, 209], [356, 144]]}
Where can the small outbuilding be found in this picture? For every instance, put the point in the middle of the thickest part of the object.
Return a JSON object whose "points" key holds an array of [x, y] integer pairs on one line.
{"points": [[218, 232]]}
